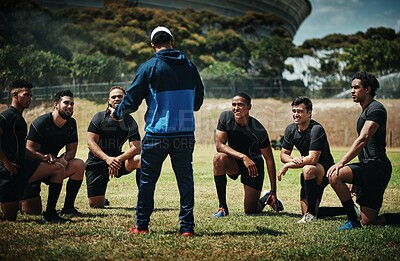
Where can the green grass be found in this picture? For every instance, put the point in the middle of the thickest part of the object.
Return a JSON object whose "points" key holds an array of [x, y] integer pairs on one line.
{"points": [[102, 233]]}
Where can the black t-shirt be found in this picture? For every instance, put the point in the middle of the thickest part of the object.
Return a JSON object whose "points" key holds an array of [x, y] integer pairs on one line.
{"points": [[313, 138], [50, 137], [13, 139], [113, 134], [247, 139], [376, 146]]}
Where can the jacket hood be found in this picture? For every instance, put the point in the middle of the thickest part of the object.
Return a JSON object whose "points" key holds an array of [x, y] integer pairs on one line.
{"points": [[171, 56]]}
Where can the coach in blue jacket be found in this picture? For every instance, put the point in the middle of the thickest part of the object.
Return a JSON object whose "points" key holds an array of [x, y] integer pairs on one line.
{"points": [[173, 90]]}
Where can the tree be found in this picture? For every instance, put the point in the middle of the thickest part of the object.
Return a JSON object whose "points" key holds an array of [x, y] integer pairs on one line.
{"points": [[96, 68], [378, 56], [39, 67], [269, 55]]}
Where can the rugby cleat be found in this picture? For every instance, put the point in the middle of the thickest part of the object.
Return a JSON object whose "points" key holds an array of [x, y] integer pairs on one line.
{"points": [[71, 212], [187, 234], [264, 198], [221, 212], [307, 218], [53, 218], [137, 231], [350, 225]]}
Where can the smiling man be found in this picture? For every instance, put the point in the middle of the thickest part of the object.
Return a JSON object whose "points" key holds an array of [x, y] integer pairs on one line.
{"points": [[106, 136], [309, 137], [48, 134], [242, 142]]}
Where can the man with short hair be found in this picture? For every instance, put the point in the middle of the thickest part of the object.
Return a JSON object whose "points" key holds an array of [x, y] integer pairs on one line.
{"points": [[242, 142], [173, 90], [371, 175], [106, 136], [48, 134], [17, 164], [309, 137]]}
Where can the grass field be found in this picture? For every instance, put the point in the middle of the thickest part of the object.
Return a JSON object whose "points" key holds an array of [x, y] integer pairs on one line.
{"points": [[102, 233]]}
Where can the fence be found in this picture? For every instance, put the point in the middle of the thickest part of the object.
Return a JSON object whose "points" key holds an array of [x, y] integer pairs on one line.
{"points": [[256, 87]]}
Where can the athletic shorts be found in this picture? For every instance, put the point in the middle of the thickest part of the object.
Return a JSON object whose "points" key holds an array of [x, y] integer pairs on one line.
{"points": [[321, 188], [97, 178], [371, 179], [256, 182], [12, 187]]}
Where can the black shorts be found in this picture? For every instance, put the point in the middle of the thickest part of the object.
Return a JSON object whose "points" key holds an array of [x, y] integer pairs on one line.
{"points": [[321, 187], [256, 182], [371, 179], [12, 187], [97, 178]]}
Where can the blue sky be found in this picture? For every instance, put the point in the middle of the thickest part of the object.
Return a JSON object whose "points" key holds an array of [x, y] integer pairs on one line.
{"points": [[348, 17]]}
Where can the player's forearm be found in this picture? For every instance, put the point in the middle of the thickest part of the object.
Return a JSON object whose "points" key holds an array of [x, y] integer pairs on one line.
{"points": [[131, 152], [97, 151], [3, 157], [285, 158], [34, 154], [69, 155], [231, 152], [271, 168], [354, 150]]}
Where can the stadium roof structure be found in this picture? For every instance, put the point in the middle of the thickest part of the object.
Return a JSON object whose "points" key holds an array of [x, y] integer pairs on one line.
{"points": [[291, 12]]}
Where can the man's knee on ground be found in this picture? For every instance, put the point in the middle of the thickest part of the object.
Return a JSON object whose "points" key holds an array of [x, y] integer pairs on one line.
{"points": [[251, 210], [96, 202], [32, 206]]}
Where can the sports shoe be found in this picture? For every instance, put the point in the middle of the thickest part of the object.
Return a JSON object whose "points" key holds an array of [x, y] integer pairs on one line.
{"points": [[187, 234], [54, 218], [106, 202], [221, 212], [137, 231], [71, 212], [263, 200], [308, 217], [350, 225]]}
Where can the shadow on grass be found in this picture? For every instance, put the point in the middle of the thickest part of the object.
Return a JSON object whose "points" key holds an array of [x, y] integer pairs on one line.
{"points": [[260, 231], [134, 209], [273, 213]]}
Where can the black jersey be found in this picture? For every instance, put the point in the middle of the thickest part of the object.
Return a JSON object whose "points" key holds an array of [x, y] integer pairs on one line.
{"points": [[247, 139], [13, 139], [375, 148], [113, 134], [313, 138], [50, 137]]}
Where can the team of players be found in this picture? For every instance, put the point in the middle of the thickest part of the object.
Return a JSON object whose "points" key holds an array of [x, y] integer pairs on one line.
{"points": [[241, 142]]}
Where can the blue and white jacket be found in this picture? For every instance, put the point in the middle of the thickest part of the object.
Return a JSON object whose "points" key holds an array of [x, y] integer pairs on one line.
{"points": [[173, 90]]}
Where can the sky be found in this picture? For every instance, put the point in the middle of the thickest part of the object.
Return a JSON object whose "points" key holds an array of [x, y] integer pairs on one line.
{"points": [[347, 17]]}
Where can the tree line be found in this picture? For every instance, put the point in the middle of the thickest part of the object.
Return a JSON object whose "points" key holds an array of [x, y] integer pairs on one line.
{"points": [[57, 46]]}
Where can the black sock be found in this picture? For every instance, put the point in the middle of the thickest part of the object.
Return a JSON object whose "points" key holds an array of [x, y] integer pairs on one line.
{"points": [[311, 194], [220, 184], [54, 194], [73, 187], [350, 211], [392, 218], [137, 177], [331, 212]]}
